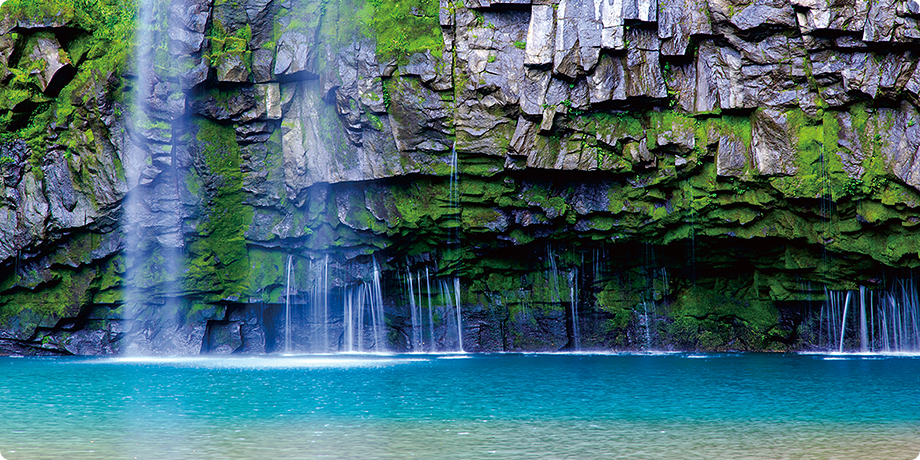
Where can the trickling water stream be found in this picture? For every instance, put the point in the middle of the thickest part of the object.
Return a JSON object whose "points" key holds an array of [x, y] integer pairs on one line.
{"points": [[888, 320]]}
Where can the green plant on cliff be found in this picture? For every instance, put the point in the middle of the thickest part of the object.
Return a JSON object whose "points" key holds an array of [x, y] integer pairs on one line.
{"points": [[225, 43], [402, 27], [219, 261], [100, 36]]}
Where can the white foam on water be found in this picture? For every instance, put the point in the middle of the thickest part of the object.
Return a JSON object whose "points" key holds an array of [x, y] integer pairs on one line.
{"points": [[266, 362]]}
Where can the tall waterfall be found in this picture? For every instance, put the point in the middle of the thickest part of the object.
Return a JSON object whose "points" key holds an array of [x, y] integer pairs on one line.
{"points": [[152, 219], [431, 341], [320, 306], [871, 320], [287, 305]]}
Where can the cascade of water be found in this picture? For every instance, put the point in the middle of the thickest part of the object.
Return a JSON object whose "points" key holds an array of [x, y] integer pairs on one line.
{"points": [[645, 325], [457, 306], [326, 303], [888, 320], [553, 275], [359, 306], [573, 296], [415, 341], [418, 329], [863, 321], [349, 319], [376, 306], [152, 213], [287, 305], [843, 321], [432, 347], [320, 303]]}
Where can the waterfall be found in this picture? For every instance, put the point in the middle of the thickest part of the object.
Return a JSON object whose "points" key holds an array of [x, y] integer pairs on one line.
{"points": [[326, 303], [556, 298], [348, 311], [376, 306], [457, 306], [863, 322], [415, 311], [432, 347], [417, 328], [287, 306], [152, 216], [843, 320], [646, 325], [363, 315], [320, 303], [888, 320], [359, 322], [573, 296]]}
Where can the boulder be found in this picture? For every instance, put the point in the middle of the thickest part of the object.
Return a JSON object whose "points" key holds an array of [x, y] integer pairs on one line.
{"points": [[49, 63]]}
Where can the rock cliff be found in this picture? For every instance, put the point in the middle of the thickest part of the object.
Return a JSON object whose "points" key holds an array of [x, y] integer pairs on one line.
{"points": [[596, 173]]}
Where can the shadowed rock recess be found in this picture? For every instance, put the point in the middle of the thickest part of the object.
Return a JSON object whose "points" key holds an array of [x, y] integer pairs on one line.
{"points": [[629, 174]]}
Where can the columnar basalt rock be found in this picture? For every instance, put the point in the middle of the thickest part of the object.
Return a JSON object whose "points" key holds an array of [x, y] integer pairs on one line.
{"points": [[654, 146]]}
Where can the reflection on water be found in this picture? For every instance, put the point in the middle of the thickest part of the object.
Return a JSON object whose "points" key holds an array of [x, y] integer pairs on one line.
{"points": [[670, 406]]}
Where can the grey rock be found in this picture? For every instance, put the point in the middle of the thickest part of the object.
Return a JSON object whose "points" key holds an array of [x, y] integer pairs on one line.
{"points": [[897, 133], [525, 133], [7, 47], [880, 21], [774, 142], [34, 210], [733, 155], [640, 153], [533, 91], [261, 21], [540, 47], [58, 182], [728, 78], [640, 10], [191, 15], [183, 41], [677, 136], [231, 16], [195, 73], [294, 54], [850, 148], [566, 55], [606, 83], [16, 152], [232, 68], [51, 63], [225, 105], [678, 20], [262, 65], [644, 78], [763, 13]]}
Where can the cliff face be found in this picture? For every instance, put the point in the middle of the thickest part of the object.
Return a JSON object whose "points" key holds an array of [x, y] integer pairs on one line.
{"points": [[676, 174]]}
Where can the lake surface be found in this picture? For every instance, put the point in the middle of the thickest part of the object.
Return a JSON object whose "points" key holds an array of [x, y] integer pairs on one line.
{"points": [[669, 406]]}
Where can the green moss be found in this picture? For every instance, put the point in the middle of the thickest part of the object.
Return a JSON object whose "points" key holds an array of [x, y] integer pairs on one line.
{"points": [[402, 28], [63, 296], [225, 44], [710, 318], [267, 268], [621, 124], [474, 217], [103, 31], [219, 261]]}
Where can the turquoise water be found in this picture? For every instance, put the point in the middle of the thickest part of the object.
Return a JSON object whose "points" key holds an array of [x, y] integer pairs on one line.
{"points": [[680, 406]]}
